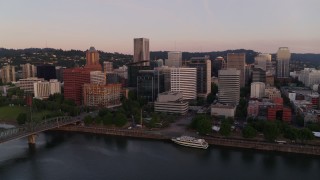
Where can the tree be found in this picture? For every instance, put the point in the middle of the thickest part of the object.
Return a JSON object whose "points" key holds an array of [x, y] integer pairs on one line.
{"points": [[154, 120], [249, 132], [88, 120], [299, 120], [313, 127], [103, 112], [271, 131], [22, 118], [214, 88], [107, 119], [201, 123], [258, 125], [291, 133], [241, 110], [225, 128], [120, 119], [204, 126], [210, 98], [305, 135]]}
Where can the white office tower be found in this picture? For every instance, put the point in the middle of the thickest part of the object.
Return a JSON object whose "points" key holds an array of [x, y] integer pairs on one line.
{"points": [[55, 86], [174, 59], [263, 61], [98, 77], [283, 60], [229, 86], [141, 50], [184, 80], [41, 89], [257, 90], [309, 76]]}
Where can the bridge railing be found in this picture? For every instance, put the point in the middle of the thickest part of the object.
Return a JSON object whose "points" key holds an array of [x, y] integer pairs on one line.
{"points": [[30, 128]]}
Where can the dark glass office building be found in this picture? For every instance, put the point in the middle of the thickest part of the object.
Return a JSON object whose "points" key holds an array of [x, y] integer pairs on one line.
{"points": [[46, 71], [149, 84]]}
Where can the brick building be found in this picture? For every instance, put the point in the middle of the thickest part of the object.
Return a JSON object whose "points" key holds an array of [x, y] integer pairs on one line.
{"points": [[74, 79]]}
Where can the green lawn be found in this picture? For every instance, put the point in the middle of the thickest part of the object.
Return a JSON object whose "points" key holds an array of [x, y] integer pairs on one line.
{"points": [[9, 114]]}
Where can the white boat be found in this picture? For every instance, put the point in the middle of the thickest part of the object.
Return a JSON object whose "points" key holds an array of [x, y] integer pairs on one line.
{"points": [[191, 142]]}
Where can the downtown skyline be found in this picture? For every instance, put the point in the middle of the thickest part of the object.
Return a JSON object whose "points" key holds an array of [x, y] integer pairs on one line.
{"points": [[190, 25]]}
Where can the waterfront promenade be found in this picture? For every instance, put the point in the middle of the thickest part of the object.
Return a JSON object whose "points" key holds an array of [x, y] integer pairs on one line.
{"points": [[214, 141]]}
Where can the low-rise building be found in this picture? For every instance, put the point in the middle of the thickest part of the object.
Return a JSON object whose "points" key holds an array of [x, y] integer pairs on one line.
{"points": [[226, 110], [272, 92], [171, 102], [27, 84], [43, 89], [96, 95]]}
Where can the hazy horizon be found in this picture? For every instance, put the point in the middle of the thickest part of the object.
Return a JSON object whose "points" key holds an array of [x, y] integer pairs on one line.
{"points": [[181, 25]]}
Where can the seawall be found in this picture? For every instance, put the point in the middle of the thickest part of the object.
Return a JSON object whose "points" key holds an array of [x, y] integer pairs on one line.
{"points": [[215, 141]]}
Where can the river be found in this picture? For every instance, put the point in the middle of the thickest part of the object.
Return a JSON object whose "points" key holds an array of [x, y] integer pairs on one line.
{"points": [[68, 156]]}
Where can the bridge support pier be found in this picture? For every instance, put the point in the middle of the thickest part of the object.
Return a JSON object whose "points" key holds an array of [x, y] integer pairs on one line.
{"points": [[32, 140]]}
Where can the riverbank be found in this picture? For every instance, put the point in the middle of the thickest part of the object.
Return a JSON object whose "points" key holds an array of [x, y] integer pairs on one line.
{"points": [[215, 141]]}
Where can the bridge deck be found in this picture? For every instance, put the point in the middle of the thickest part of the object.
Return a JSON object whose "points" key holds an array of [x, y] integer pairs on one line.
{"points": [[34, 128]]}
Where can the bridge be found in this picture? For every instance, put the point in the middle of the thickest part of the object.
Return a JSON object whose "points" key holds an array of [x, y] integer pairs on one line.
{"points": [[31, 129]]}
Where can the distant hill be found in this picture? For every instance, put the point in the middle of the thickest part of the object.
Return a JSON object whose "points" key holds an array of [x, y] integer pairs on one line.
{"points": [[63, 57]]}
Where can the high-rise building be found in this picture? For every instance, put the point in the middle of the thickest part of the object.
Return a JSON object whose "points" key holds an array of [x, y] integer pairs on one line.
{"points": [[141, 50], [98, 77], [258, 75], [46, 71], [122, 71], [309, 76], [92, 60], [174, 59], [150, 83], [257, 90], [74, 79], [59, 73], [8, 74], [133, 72], [203, 66], [28, 70], [269, 79], [96, 95], [263, 61], [184, 80], [218, 64], [107, 66], [229, 86], [237, 61], [283, 60]]}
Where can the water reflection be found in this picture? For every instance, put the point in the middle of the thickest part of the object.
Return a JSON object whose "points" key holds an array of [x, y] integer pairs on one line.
{"points": [[84, 156], [269, 161], [248, 156]]}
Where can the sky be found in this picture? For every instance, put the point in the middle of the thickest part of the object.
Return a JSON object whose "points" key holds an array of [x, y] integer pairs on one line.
{"points": [[181, 25]]}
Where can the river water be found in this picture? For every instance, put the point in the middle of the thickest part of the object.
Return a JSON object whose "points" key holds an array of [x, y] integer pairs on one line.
{"points": [[68, 156]]}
